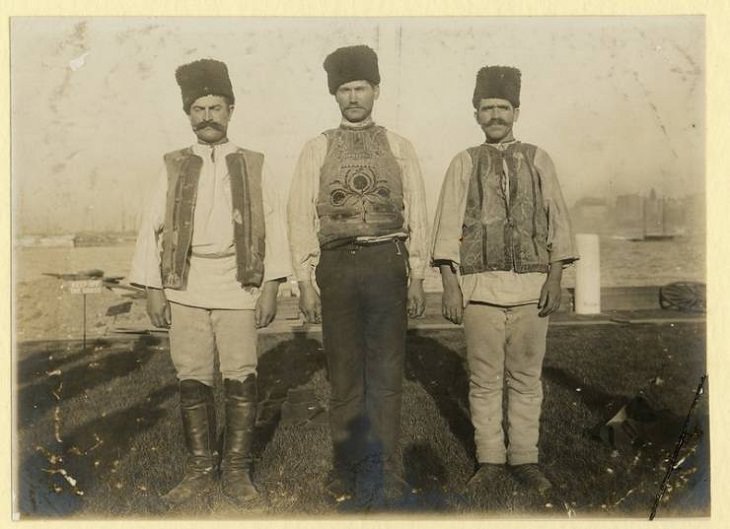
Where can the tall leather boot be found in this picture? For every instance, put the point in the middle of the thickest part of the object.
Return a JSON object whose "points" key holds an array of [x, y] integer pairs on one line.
{"points": [[238, 440], [199, 429]]}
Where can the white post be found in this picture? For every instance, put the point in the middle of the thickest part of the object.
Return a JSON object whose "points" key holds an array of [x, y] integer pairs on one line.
{"points": [[588, 274]]}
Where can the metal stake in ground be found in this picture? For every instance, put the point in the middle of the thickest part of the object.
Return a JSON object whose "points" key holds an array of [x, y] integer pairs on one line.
{"points": [[84, 287]]}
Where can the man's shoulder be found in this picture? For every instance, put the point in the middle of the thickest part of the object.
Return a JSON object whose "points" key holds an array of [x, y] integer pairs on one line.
{"points": [[178, 153], [318, 140], [531, 147], [248, 153], [395, 137]]}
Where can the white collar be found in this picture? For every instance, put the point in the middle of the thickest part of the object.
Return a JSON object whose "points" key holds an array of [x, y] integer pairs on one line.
{"points": [[364, 124]]}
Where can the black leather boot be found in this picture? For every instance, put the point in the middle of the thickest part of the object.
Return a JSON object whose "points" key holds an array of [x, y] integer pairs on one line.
{"points": [[238, 440], [199, 429]]}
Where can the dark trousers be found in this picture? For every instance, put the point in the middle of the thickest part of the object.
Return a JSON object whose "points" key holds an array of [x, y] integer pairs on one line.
{"points": [[364, 322]]}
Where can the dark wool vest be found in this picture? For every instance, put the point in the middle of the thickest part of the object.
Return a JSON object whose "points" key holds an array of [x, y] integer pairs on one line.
{"points": [[183, 174], [500, 232], [360, 186]]}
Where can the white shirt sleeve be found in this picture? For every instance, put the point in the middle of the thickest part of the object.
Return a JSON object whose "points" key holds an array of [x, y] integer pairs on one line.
{"points": [[303, 223], [145, 269], [447, 225], [277, 262], [414, 200]]}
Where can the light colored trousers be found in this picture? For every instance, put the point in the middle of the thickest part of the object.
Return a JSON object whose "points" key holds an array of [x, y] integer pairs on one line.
{"points": [[196, 334], [505, 345]]}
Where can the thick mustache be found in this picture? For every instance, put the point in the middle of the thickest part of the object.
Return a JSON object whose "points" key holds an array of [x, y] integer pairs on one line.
{"points": [[211, 124], [496, 121]]}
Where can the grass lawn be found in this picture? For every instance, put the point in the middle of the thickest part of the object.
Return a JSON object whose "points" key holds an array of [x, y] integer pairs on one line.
{"points": [[99, 433]]}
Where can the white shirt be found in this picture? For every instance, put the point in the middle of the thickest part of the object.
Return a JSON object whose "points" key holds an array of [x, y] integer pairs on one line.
{"points": [[211, 281]]}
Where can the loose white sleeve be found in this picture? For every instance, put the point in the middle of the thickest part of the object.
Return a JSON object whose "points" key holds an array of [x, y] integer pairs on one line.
{"points": [[145, 269], [277, 262], [302, 220]]}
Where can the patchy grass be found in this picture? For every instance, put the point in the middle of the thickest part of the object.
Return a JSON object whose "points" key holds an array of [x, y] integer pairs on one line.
{"points": [[99, 431]]}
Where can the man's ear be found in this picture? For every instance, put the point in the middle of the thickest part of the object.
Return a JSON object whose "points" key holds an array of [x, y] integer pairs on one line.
{"points": [[376, 91], [517, 114]]}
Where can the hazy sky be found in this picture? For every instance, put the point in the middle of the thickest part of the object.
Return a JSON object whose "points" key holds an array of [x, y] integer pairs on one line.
{"points": [[617, 102]]}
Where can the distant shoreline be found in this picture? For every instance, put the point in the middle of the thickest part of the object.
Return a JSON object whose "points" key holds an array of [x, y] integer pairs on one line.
{"points": [[75, 240], [94, 239]]}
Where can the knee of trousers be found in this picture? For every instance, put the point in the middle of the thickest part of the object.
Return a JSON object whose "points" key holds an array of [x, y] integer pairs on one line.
{"points": [[201, 372], [525, 384], [486, 385]]}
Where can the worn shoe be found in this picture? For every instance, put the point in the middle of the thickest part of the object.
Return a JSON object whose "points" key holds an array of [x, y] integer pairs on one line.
{"points": [[531, 476], [486, 475], [395, 488], [340, 485]]}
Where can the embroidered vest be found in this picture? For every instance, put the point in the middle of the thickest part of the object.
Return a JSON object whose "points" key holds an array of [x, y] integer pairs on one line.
{"points": [[183, 174], [504, 232], [360, 186]]}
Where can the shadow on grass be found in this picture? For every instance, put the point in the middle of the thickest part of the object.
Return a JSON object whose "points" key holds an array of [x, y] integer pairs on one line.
{"points": [[289, 364], [42, 357], [55, 478], [39, 391], [426, 473], [444, 376], [599, 402]]}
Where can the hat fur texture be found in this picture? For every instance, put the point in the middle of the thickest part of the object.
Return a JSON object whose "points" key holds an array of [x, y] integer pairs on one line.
{"points": [[202, 78], [351, 63], [501, 82]]}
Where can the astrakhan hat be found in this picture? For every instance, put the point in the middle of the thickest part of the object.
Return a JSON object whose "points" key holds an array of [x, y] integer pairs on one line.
{"points": [[351, 63], [202, 78], [502, 82]]}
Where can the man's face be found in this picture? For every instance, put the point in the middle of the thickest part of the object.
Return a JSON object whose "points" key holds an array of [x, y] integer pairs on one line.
{"points": [[496, 117], [209, 117], [356, 100]]}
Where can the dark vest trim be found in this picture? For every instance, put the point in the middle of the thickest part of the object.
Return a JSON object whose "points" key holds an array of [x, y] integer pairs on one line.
{"points": [[183, 172], [515, 235]]}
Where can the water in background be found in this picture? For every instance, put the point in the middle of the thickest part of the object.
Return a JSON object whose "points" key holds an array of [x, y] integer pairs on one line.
{"points": [[623, 263], [627, 263]]}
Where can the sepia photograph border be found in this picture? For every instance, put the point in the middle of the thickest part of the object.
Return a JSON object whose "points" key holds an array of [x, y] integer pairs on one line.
{"points": [[717, 190]]}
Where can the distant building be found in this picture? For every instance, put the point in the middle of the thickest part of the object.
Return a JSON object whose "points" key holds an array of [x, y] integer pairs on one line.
{"points": [[590, 214]]}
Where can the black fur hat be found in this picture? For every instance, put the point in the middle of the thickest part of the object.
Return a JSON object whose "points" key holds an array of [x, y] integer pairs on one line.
{"points": [[351, 63], [202, 78], [502, 82]]}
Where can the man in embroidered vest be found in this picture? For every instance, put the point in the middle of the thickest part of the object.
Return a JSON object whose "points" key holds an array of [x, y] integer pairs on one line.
{"points": [[357, 226], [501, 238], [211, 253]]}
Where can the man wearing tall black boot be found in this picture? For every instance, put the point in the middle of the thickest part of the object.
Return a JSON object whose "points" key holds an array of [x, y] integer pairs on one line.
{"points": [[357, 228], [211, 253]]}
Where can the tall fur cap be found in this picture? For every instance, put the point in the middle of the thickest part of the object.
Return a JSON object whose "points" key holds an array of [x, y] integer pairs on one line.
{"points": [[503, 82], [201, 78], [351, 63]]}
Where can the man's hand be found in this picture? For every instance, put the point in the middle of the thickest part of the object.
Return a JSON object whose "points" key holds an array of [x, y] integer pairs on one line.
{"points": [[551, 291], [158, 308], [309, 302], [416, 298], [266, 304], [452, 300]]}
